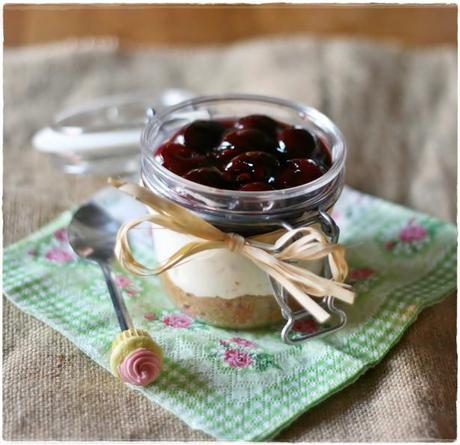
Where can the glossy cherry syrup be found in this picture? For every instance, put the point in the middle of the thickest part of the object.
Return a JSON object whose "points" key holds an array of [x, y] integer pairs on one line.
{"points": [[253, 153]]}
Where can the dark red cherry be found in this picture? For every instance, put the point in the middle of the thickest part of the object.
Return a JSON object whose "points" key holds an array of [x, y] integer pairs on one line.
{"points": [[249, 140], [259, 122], [210, 176], [296, 143], [252, 166], [223, 154], [255, 187], [297, 172], [203, 135], [180, 159]]}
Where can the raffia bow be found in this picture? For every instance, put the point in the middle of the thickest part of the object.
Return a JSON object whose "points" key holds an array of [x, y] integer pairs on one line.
{"points": [[301, 283]]}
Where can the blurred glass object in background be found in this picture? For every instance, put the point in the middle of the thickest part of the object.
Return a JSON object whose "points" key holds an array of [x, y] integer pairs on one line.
{"points": [[103, 137]]}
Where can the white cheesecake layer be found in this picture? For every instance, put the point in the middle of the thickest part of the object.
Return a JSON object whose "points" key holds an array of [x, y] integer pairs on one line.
{"points": [[214, 273]]}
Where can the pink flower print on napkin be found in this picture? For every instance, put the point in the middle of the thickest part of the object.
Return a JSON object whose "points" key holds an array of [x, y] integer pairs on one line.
{"points": [[242, 342], [177, 321], [389, 245], [58, 255], [126, 284], [61, 234], [305, 326], [360, 274], [237, 359], [122, 282], [150, 316], [412, 232], [132, 292]]}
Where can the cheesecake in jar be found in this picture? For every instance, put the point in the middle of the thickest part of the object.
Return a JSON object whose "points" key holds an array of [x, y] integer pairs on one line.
{"points": [[251, 165]]}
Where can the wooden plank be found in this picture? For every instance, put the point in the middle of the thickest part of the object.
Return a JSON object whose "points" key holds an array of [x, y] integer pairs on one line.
{"points": [[220, 24]]}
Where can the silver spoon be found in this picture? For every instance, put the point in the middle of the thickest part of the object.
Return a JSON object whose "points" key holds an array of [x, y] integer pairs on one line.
{"points": [[135, 357], [92, 235]]}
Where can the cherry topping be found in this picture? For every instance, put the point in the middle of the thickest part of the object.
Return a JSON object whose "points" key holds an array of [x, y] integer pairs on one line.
{"points": [[203, 135], [252, 166], [250, 154], [296, 143], [248, 140], [180, 159], [255, 187], [297, 172], [210, 176], [258, 122]]}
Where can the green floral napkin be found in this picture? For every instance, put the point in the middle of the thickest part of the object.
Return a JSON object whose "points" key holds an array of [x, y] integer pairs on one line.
{"points": [[238, 385]]}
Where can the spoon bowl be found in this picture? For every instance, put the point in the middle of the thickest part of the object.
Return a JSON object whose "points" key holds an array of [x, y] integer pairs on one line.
{"points": [[92, 233]]}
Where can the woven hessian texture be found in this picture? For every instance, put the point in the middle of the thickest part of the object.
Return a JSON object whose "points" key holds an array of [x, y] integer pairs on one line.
{"points": [[397, 110]]}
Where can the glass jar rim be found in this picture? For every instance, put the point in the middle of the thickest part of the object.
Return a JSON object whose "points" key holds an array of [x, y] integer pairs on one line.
{"points": [[338, 148]]}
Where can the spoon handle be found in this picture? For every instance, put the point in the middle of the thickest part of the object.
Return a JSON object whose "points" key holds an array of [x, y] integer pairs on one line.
{"points": [[124, 320]]}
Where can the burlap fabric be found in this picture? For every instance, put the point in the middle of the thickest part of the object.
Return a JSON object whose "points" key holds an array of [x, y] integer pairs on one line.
{"points": [[397, 110]]}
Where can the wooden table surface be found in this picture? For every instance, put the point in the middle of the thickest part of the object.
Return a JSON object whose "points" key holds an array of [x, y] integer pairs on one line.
{"points": [[136, 25]]}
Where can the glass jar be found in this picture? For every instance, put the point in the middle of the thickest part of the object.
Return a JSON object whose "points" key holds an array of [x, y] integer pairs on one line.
{"points": [[221, 287]]}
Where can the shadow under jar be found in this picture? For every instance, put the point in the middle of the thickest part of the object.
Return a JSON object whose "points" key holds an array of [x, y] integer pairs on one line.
{"points": [[218, 286]]}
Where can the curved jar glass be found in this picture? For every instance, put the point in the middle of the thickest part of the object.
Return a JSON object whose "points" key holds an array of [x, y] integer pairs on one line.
{"points": [[218, 286]]}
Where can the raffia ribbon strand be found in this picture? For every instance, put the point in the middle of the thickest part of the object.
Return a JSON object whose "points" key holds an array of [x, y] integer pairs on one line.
{"points": [[301, 283]]}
